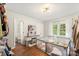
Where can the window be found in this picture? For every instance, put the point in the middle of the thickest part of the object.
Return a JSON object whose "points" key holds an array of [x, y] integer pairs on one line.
{"points": [[55, 29], [62, 29], [59, 29]]}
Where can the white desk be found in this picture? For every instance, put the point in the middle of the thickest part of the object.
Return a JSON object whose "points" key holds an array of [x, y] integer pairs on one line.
{"points": [[28, 40]]}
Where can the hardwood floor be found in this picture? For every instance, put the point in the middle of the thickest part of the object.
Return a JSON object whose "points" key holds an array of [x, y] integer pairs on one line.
{"points": [[21, 50]]}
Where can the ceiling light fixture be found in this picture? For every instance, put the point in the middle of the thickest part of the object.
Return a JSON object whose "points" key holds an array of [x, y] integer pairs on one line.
{"points": [[45, 8]]}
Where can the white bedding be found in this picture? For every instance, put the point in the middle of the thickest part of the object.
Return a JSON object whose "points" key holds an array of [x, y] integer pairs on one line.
{"points": [[56, 51], [60, 41]]}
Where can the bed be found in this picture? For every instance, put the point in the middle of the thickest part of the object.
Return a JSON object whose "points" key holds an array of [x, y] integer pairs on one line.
{"points": [[59, 46]]}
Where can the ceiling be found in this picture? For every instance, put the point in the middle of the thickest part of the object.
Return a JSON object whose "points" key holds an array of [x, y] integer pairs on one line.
{"points": [[57, 10]]}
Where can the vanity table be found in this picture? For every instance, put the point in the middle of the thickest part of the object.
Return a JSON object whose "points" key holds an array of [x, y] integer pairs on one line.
{"points": [[30, 40]]}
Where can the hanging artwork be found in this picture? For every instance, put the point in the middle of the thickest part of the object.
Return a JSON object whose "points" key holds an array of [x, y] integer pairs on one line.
{"points": [[31, 30]]}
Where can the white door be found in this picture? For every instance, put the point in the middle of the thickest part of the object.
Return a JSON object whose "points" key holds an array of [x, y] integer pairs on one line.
{"points": [[21, 32], [15, 32], [18, 31]]}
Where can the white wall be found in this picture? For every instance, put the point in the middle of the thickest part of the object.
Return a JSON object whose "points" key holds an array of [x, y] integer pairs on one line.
{"points": [[11, 29], [48, 29], [14, 20], [69, 20], [29, 21]]}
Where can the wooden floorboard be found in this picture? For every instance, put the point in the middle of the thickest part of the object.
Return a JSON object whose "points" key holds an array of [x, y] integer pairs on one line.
{"points": [[21, 50]]}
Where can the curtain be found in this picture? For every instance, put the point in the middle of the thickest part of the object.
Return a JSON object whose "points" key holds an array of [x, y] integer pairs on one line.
{"points": [[76, 34], [0, 28]]}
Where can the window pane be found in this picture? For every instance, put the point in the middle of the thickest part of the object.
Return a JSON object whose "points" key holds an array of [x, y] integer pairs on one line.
{"points": [[62, 29], [55, 29]]}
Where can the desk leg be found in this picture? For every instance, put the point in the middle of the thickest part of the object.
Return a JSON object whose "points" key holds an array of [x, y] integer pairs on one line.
{"points": [[27, 43]]}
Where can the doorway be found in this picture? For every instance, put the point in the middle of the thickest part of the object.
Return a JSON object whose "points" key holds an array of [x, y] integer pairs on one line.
{"points": [[18, 32]]}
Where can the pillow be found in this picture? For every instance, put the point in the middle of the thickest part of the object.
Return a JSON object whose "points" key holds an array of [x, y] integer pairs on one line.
{"points": [[49, 48]]}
